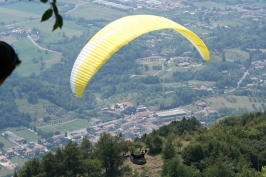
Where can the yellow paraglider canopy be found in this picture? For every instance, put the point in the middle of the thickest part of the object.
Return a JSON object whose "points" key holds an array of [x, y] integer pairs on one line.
{"points": [[114, 36]]}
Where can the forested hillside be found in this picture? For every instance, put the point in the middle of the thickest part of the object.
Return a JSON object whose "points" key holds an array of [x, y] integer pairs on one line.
{"points": [[233, 147]]}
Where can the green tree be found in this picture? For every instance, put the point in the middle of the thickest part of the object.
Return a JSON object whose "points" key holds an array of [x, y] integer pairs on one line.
{"points": [[93, 167], [72, 159], [248, 172], [219, 169], [263, 171], [223, 57], [154, 143], [169, 151], [1, 145], [193, 153], [174, 168], [109, 151], [15, 174], [31, 168]]}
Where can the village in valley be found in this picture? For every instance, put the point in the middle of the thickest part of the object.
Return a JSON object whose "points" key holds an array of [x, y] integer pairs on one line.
{"points": [[130, 126]]}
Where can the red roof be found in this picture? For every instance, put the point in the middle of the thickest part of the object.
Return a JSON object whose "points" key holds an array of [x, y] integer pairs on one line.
{"points": [[128, 104], [201, 104]]}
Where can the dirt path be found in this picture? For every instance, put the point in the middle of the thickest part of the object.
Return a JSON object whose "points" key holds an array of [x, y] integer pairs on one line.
{"points": [[76, 6], [37, 45], [160, 70]]}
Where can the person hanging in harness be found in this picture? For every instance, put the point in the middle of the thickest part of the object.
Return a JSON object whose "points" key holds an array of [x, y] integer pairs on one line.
{"points": [[8, 61], [138, 159]]}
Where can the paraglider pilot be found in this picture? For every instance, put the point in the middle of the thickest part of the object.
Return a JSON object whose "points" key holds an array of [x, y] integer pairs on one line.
{"points": [[137, 159], [8, 61]]}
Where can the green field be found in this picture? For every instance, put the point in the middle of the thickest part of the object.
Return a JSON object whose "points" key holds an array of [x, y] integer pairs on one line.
{"points": [[92, 11], [151, 72], [14, 16], [229, 22], [10, 18], [198, 30], [15, 159], [8, 144], [24, 133], [27, 51], [209, 4], [69, 28], [33, 109], [70, 126], [19, 160], [218, 102], [20, 15], [4, 171], [199, 83], [262, 4], [236, 54], [35, 8]]}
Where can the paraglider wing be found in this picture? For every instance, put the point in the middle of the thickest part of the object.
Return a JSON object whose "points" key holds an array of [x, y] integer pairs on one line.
{"points": [[114, 36]]}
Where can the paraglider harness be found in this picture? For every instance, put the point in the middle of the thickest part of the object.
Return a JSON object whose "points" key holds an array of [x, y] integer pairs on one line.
{"points": [[137, 159]]}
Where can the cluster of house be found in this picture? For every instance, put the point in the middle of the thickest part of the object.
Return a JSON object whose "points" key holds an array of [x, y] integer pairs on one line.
{"points": [[159, 6], [244, 11], [154, 5], [135, 125], [113, 5], [207, 110], [27, 150]]}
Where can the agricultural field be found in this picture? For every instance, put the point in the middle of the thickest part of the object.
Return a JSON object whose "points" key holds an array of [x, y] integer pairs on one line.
{"points": [[219, 102], [9, 16], [198, 31], [91, 11], [69, 126], [28, 51], [236, 54], [8, 144], [199, 83], [69, 28], [24, 133], [33, 110], [18, 160], [35, 8], [4, 171], [229, 22], [209, 4]]}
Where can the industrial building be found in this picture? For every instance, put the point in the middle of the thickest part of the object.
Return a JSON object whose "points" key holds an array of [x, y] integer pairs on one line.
{"points": [[171, 113]]}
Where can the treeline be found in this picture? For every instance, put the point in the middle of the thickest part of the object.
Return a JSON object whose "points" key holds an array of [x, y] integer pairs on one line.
{"points": [[103, 159]]}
